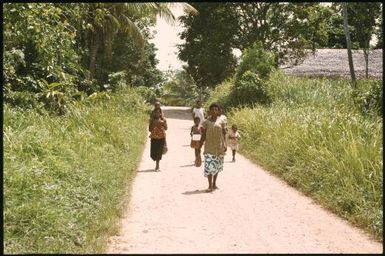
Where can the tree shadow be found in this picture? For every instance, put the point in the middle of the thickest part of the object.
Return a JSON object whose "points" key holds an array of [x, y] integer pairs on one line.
{"points": [[194, 192], [187, 165], [148, 170]]}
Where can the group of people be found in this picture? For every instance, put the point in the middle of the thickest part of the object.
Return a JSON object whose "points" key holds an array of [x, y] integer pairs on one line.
{"points": [[209, 129]]}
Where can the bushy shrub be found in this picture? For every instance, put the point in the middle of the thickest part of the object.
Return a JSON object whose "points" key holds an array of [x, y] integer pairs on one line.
{"points": [[117, 80], [147, 93], [249, 89], [257, 60], [222, 95], [251, 76], [368, 96]]}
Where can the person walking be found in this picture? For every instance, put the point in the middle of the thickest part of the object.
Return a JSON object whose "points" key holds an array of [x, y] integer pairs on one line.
{"points": [[157, 128], [234, 137], [199, 111], [214, 140], [196, 133]]}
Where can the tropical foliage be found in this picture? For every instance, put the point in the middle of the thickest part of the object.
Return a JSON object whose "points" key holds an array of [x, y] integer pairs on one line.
{"points": [[56, 53]]}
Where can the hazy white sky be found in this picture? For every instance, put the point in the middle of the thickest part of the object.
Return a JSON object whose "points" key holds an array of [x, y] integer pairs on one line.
{"points": [[166, 39]]}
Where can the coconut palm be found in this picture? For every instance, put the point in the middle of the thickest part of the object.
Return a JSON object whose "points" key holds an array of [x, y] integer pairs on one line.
{"points": [[110, 18]]}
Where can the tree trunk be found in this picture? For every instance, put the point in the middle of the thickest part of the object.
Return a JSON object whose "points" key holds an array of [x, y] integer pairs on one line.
{"points": [[94, 46], [366, 57], [348, 43]]}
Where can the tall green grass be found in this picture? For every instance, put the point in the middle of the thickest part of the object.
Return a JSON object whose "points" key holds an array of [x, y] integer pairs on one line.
{"points": [[65, 177], [315, 137]]}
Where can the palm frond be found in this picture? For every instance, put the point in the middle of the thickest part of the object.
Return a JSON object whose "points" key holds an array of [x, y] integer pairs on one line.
{"points": [[133, 30]]}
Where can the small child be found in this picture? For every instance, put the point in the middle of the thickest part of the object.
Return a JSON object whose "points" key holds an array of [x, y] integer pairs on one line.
{"points": [[195, 134], [234, 136]]}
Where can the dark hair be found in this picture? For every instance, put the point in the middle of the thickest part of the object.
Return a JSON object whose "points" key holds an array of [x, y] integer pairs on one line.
{"points": [[213, 105], [195, 118], [234, 126]]}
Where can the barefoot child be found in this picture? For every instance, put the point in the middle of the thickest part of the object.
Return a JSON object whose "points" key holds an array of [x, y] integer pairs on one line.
{"points": [[234, 136], [195, 140]]}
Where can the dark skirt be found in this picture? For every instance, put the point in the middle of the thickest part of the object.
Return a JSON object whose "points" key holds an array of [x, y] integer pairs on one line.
{"points": [[156, 149]]}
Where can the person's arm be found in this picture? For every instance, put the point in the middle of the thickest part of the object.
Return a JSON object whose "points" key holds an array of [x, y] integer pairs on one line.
{"points": [[151, 124], [224, 130], [191, 132], [165, 123], [203, 137]]}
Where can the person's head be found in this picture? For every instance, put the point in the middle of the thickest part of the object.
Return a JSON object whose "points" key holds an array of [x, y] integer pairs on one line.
{"points": [[157, 112], [157, 104], [234, 128], [215, 110], [199, 103], [196, 120]]}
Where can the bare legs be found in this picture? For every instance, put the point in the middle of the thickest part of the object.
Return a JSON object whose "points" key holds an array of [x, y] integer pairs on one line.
{"points": [[212, 182], [198, 160], [234, 155], [157, 166]]}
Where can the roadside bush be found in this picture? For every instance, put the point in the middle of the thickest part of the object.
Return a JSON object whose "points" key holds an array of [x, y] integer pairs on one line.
{"points": [[117, 80], [222, 95], [147, 93], [368, 96], [249, 89], [257, 60], [66, 177]]}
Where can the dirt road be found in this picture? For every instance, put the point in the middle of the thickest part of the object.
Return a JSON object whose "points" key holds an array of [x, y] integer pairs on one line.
{"points": [[251, 212]]}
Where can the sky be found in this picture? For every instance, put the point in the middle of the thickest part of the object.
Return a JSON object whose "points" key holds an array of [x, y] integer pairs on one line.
{"points": [[165, 40]]}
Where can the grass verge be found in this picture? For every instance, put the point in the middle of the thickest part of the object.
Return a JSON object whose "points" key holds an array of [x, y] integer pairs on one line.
{"points": [[317, 138], [65, 177]]}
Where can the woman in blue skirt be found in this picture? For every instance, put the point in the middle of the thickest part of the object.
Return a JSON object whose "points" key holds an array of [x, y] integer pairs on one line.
{"points": [[214, 138]]}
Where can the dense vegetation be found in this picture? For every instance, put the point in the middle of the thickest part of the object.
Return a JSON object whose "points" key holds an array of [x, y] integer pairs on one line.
{"points": [[65, 177], [77, 76], [288, 30]]}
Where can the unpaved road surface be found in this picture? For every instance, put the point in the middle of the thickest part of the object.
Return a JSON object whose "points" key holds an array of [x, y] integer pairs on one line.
{"points": [[251, 212]]}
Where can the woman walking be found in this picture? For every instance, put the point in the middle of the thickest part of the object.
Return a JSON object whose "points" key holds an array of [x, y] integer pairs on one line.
{"points": [[157, 128], [214, 138]]}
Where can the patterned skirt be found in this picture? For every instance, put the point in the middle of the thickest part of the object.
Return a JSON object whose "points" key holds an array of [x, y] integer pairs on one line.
{"points": [[213, 164]]}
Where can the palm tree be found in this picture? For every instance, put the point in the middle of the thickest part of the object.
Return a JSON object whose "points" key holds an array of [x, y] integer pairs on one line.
{"points": [[110, 18]]}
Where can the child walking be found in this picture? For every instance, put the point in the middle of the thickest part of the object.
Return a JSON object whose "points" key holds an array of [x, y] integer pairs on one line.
{"points": [[195, 133], [234, 137]]}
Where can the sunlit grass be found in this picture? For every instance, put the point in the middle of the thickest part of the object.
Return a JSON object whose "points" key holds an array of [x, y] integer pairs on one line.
{"points": [[65, 177], [315, 138]]}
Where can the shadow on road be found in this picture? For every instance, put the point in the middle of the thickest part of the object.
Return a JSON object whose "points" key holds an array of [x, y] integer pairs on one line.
{"points": [[194, 192], [148, 170], [187, 165]]}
